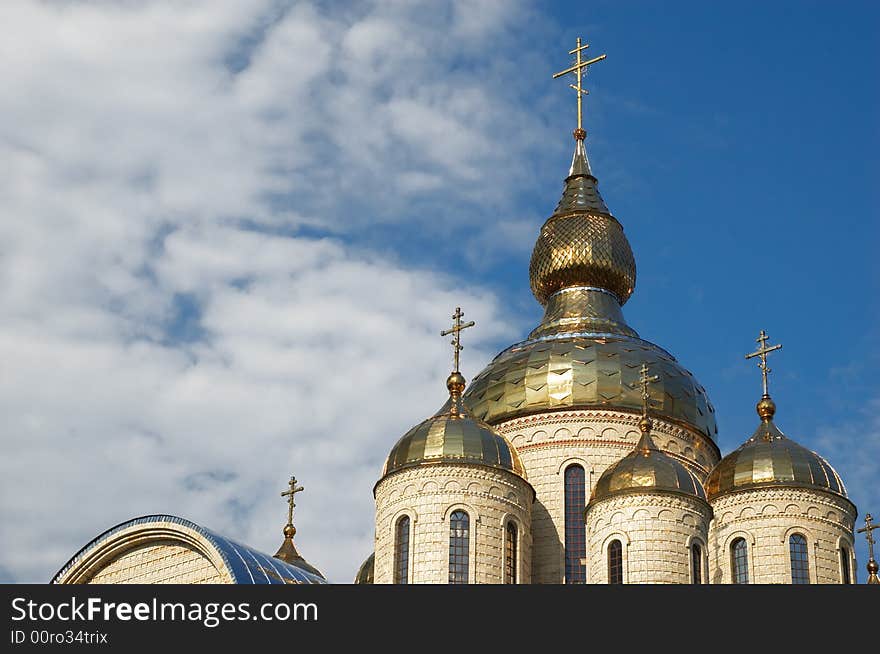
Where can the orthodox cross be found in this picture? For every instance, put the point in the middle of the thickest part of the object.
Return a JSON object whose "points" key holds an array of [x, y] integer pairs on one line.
{"points": [[579, 68], [867, 529], [456, 333], [292, 490], [762, 352], [644, 381]]}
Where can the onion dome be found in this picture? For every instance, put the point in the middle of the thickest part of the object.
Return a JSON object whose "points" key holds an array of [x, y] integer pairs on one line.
{"points": [[582, 244], [646, 469], [453, 436], [769, 458], [288, 552], [365, 572], [583, 354]]}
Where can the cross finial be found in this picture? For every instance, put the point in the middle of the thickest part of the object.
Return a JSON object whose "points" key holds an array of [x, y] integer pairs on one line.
{"points": [[762, 352], [579, 68], [455, 330], [872, 564], [645, 381], [292, 490]]}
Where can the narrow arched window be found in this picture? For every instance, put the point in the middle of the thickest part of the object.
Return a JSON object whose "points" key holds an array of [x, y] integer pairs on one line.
{"points": [[401, 551], [800, 569], [459, 543], [739, 561], [510, 553], [575, 529], [844, 565], [615, 562], [697, 563]]}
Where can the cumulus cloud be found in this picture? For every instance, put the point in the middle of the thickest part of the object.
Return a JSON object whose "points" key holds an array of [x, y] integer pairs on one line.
{"points": [[173, 340]]}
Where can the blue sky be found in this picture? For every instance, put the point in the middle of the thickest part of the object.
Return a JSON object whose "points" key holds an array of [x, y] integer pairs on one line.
{"points": [[229, 229]]}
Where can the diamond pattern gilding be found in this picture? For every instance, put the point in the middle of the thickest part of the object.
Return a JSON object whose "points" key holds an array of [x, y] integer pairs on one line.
{"points": [[557, 375], [582, 250]]}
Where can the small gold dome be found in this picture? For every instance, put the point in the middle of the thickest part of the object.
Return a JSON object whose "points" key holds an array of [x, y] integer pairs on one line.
{"points": [[365, 572], [646, 469], [453, 437], [582, 244], [768, 458]]}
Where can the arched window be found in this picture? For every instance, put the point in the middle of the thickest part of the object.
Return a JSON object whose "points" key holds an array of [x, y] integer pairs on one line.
{"points": [[401, 551], [739, 561], [575, 529], [844, 565], [696, 563], [615, 562], [459, 543], [510, 553], [800, 569]]}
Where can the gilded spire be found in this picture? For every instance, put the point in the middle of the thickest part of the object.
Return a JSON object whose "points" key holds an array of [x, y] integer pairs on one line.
{"points": [[579, 68], [766, 407], [456, 381], [645, 423], [873, 567]]}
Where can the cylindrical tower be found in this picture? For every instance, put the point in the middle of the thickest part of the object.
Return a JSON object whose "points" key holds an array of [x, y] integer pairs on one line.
{"points": [[453, 504]]}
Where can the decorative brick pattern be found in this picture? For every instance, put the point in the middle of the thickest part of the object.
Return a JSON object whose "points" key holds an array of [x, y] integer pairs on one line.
{"points": [[766, 518], [428, 494], [656, 531], [159, 562]]}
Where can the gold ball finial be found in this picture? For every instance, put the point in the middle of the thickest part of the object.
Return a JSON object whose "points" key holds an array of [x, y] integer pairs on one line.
{"points": [[645, 424], [766, 408], [579, 134], [289, 531], [456, 383]]}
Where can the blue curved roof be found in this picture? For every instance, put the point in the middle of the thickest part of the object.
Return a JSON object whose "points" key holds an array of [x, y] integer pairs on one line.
{"points": [[245, 564]]}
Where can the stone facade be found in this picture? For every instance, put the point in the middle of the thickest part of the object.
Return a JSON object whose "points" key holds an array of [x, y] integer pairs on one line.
{"points": [[595, 439], [656, 531], [429, 494], [766, 518]]}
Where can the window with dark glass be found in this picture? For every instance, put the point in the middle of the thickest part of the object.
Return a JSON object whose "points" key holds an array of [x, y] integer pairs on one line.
{"points": [[510, 554], [401, 551], [615, 562], [739, 561], [459, 541], [697, 563], [800, 570], [844, 565], [575, 529]]}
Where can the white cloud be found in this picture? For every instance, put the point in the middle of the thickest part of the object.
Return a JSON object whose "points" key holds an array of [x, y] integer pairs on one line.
{"points": [[159, 355]]}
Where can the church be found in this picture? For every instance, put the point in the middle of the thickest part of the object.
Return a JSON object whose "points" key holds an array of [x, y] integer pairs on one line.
{"points": [[583, 454]]}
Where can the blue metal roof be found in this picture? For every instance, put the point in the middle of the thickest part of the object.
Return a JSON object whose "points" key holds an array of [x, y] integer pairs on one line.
{"points": [[245, 564]]}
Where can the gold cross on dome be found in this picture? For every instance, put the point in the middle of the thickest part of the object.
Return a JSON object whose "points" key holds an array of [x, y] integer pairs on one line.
{"points": [[867, 529], [579, 68], [455, 330], [292, 490], [645, 380], [762, 352]]}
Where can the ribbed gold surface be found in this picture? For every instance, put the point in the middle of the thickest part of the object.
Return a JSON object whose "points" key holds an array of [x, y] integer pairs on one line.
{"points": [[582, 250], [365, 572], [447, 438], [587, 372], [645, 470], [768, 458]]}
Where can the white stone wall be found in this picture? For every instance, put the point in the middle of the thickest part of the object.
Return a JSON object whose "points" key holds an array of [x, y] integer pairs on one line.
{"points": [[766, 517], [656, 531], [549, 442], [428, 494]]}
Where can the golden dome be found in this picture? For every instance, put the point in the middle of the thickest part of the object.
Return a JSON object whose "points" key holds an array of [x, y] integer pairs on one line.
{"points": [[582, 244], [453, 436], [646, 469], [768, 458], [587, 371], [365, 572]]}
